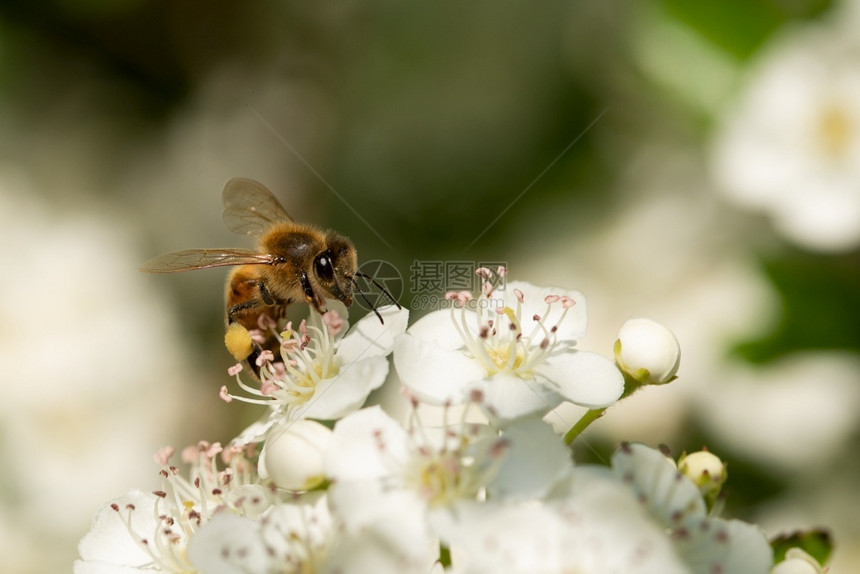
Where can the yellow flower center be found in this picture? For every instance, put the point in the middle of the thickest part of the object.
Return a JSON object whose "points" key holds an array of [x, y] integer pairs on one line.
{"points": [[835, 130]]}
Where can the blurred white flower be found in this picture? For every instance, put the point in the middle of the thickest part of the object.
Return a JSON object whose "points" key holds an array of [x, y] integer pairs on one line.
{"points": [[148, 532], [314, 359], [90, 366], [706, 543], [512, 351], [647, 351], [790, 147], [592, 524], [811, 402], [443, 465]]}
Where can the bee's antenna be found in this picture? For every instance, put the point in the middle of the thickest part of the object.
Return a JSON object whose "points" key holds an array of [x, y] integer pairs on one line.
{"points": [[366, 300], [378, 286]]}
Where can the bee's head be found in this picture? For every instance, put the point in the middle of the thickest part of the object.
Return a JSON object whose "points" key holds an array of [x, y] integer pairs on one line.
{"points": [[336, 266]]}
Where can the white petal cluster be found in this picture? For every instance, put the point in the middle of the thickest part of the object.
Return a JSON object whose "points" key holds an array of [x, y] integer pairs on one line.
{"points": [[375, 494]]}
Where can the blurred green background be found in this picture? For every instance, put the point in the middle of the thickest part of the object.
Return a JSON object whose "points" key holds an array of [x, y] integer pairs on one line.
{"points": [[570, 140]]}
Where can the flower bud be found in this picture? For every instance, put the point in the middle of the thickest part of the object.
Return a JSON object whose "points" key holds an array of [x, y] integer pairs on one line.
{"points": [[647, 351], [797, 562], [706, 470], [292, 457]]}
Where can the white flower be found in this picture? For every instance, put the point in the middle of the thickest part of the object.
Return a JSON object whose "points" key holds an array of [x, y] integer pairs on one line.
{"points": [[292, 457], [379, 470], [512, 351], [707, 544], [152, 531], [791, 146], [647, 351], [441, 466], [304, 536], [315, 359], [595, 525]]}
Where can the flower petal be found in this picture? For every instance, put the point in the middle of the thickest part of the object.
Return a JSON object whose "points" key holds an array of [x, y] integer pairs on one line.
{"points": [[718, 545], [667, 494], [495, 537], [346, 392], [606, 529], [228, 544], [370, 338], [434, 374], [438, 328], [536, 459], [364, 445], [259, 430], [584, 378], [109, 540], [386, 530], [509, 396]]}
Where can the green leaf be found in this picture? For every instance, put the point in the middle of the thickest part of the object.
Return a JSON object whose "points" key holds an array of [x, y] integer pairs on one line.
{"points": [[817, 543], [739, 26], [820, 300]]}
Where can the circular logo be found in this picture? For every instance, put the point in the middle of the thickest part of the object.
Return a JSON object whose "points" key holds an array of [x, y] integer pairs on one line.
{"points": [[380, 284]]}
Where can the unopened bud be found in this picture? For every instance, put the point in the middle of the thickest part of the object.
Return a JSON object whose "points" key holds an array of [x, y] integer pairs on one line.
{"points": [[797, 562], [647, 351], [292, 457], [706, 470]]}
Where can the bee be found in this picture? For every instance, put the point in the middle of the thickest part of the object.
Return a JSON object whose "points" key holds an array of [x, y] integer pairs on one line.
{"points": [[292, 262]]}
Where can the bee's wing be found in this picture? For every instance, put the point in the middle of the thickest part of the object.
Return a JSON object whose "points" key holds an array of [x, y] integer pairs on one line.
{"points": [[189, 259], [250, 208]]}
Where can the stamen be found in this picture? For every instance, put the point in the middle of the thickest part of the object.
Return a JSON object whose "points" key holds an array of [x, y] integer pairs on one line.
{"points": [[163, 455]]}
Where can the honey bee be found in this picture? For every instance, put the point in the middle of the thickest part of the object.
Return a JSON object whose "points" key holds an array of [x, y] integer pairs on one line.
{"points": [[292, 262]]}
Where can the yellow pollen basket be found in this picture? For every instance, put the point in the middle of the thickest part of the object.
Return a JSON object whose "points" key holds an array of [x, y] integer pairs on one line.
{"points": [[238, 341]]}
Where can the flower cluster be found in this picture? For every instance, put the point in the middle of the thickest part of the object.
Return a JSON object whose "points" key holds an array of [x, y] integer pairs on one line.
{"points": [[362, 491]]}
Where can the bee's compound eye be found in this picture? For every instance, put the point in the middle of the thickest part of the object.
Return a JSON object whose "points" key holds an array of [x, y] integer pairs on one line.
{"points": [[323, 268]]}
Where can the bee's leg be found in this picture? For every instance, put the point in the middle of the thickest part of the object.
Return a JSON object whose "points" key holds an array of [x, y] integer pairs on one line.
{"points": [[265, 294], [239, 307]]}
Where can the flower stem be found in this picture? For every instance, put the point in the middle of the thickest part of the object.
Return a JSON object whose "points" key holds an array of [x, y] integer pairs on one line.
{"points": [[631, 385], [588, 418]]}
